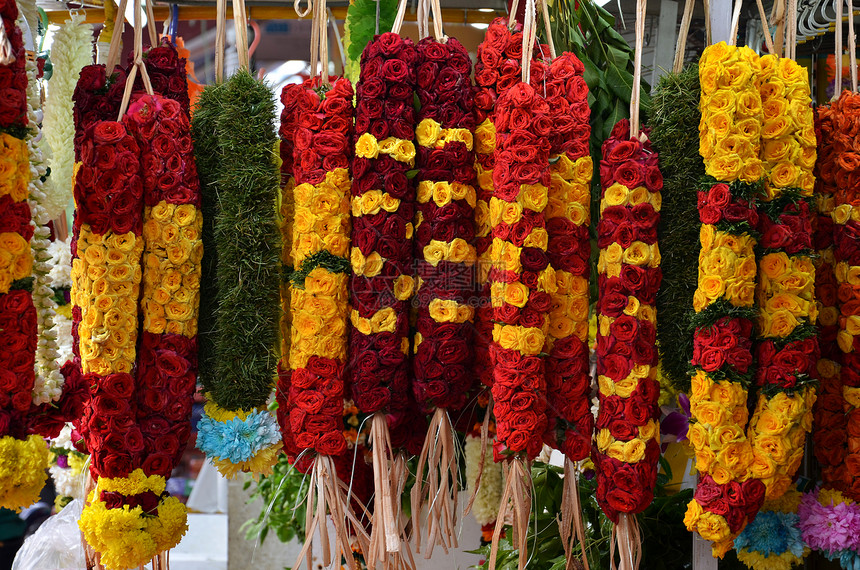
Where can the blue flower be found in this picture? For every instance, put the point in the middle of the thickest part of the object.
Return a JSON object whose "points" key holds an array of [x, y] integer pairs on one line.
{"points": [[237, 440], [772, 532]]}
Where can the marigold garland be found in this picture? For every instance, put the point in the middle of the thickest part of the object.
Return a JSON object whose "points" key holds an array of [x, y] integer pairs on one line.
{"points": [[830, 435], [568, 214], [626, 444], [787, 349], [726, 497]]}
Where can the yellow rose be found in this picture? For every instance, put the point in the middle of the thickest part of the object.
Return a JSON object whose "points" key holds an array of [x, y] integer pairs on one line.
{"points": [[616, 195], [366, 146], [461, 251], [485, 135], [511, 212], [435, 252], [533, 196], [384, 320], [639, 253], [442, 194], [531, 341], [538, 238], [403, 287], [427, 132], [784, 174], [710, 413], [516, 294]]}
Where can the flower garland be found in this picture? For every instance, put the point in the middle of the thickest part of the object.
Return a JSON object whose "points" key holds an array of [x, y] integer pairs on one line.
{"points": [[674, 134], [626, 444], [522, 280], [23, 457], [787, 349], [830, 524], [320, 245], [13, 105], [70, 52], [846, 227], [245, 232], [773, 540], [382, 197], [829, 433], [489, 494], [496, 69], [67, 468], [445, 258], [48, 383], [166, 71], [726, 497], [568, 214]]}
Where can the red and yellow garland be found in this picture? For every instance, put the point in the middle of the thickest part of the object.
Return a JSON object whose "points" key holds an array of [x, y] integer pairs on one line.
{"points": [[626, 445]]}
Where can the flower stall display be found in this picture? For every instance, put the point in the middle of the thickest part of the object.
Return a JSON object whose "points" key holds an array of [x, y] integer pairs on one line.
{"points": [[382, 283], [445, 263], [726, 495], [234, 126]]}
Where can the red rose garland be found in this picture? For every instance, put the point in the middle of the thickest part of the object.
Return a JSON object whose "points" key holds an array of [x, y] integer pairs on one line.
{"points": [[522, 282], [496, 69], [569, 249], [381, 256], [829, 428], [627, 445], [13, 76], [445, 254], [166, 71]]}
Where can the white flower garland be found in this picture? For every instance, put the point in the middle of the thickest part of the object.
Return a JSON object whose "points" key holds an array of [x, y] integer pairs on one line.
{"points": [[486, 505], [71, 50], [49, 382]]}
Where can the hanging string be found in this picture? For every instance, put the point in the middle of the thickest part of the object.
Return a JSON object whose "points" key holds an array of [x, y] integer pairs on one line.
{"points": [[137, 66], [512, 17], [765, 28], [116, 38], [852, 44], [240, 20], [529, 35], [708, 39], [641, 6], [545, 9], [681, 45], [401, 14], [736, 17], [779, 22], [220, 38], [150, 24], [838, 55]]}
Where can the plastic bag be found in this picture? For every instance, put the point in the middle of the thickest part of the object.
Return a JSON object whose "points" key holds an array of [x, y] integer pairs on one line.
{"points": [[56, 545]]}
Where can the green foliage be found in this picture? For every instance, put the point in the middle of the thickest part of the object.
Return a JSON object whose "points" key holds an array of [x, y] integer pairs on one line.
{"points": [[588, 31], [208, 158], [666, 543], [675, 120], [283, 493], [324, 259], [248, 245], [25, 283], [360, 26]]}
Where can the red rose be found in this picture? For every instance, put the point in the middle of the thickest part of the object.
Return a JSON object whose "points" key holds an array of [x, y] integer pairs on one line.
{"points": [[158, 464]]}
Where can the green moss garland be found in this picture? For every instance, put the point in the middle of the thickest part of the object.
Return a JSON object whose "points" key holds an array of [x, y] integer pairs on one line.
{"points": [[208, 158], [247, 242], [675, 136]]}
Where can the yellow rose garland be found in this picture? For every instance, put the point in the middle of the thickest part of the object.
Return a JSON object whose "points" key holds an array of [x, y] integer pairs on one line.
{"points": [[729, 131], [785, 289], [16, 259]]}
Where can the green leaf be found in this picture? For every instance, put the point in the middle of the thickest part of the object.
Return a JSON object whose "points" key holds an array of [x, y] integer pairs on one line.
{"points": [[620, 82], [592, 74]]}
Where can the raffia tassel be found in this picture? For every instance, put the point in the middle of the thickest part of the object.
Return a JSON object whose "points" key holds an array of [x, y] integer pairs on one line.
{"points": [[571, 526], [485, 436], [629, 540], [516, 506], [328, 496], [439, 494], [386, 531]]}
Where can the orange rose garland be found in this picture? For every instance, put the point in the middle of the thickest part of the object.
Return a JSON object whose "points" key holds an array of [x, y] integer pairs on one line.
{"points": [[522, 282], [726, 496], [846, 237], [496, 69], [445, 260], [567, 215], [627, 436], [829, 433], [787, 348]]}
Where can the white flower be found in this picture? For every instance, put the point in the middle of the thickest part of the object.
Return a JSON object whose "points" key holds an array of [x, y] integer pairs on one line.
{"points": [[70, 51], [487, 502]]}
